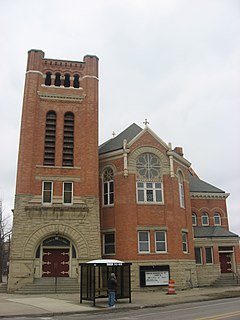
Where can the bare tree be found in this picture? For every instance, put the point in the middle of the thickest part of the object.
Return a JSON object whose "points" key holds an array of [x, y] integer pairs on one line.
{"points": [[4, 244]]}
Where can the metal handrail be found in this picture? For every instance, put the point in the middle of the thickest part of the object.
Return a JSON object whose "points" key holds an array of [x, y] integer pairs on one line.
{"points": [[236, 276]]}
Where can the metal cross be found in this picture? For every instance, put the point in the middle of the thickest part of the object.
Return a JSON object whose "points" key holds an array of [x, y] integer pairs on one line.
{"points": [[146, 122], [113, 134]]}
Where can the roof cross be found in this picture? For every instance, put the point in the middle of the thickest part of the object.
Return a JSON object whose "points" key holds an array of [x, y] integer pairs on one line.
{"points": [[113, 134], [145, 122]]}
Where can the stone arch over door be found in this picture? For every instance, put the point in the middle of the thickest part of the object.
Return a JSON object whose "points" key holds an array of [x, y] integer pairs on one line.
{"points": [[58, 229]]}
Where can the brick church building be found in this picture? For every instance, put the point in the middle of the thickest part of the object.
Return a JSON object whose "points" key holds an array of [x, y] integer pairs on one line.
{"points": [[134, 198]]}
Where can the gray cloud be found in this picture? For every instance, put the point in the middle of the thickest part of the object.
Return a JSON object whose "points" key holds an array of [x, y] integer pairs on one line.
{"points": [[176, 63]]}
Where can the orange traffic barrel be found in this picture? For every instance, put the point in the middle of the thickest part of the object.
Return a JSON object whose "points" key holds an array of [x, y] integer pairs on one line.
{"points": [[171, 287]]}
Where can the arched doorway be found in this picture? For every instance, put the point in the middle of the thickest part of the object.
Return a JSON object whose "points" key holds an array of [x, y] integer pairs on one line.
{"points": [[55, 255]]}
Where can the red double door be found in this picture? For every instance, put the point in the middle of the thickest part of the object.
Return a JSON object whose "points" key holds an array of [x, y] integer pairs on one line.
{"points": [[55, 263], [225, 263]]}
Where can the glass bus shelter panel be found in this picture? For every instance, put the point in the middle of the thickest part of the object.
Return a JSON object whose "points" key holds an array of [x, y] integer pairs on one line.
{"points": [[94, 280]]}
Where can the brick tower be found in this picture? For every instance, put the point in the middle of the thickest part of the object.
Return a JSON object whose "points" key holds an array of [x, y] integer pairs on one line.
{"points": [[56, 213]]}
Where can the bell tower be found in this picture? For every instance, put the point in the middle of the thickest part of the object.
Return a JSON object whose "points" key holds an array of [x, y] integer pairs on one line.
{"points": [[57, 193]]}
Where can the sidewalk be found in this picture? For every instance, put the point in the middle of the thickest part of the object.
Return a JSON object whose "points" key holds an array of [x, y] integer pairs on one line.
{"points": [[52, 304]]}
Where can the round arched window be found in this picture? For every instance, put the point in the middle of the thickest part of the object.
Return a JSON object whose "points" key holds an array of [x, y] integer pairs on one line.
{"points": [[148, 176], [217, 219], [108, 187], [148, 167]]}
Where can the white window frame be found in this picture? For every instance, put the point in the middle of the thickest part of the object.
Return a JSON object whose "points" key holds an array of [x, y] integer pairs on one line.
{"points": [[109, 193], [161, 241], [104, 244], [185, 241], [217, 216], [149, 186], [47, 190], [144, 242], [64, 191], [145, 187], [195, 218], [211, 255], [181, 190], [201, 257], [205, 215]]}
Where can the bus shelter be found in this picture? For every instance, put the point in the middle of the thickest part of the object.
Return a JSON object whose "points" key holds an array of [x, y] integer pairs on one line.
{"points": [[94, 277]]}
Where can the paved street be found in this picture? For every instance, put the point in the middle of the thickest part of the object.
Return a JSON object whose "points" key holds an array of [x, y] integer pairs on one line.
{"points": [[197, 303], [207, 310]]}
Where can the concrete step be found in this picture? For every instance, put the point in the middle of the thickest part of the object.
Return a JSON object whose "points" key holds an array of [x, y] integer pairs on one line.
{"points": [[226, 280], [3, 287], [51, 285]]}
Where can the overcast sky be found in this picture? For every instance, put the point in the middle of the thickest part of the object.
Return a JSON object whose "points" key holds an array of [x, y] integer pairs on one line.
{"points": [[174, 62]]}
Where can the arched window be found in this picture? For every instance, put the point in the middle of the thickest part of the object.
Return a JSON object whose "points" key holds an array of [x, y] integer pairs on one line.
{"points": [[48, 80], [68, 139], [108, 187], [56, 241], [50, 139], [76, 83], [67, 80], [57, 81], [217, 219], [205, 219], [194, 219], [148, 176], [181, 190]]}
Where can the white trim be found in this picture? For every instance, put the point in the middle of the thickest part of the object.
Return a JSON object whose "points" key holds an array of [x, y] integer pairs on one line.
{"points": [[154, 189], [63, 97], [217, 216], [108, 204], [63, 193], [165, 241], [89, 77], [147, 129], [117, 154], [183, 242], [148, 242], [179, 158], [43, 190], [181, 189], [106, 261], [34, 71], [195, 224], [205, 215], [209, 195]]}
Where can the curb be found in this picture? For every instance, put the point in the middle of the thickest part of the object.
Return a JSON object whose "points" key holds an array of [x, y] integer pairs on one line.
{"points": [[209, 297]]}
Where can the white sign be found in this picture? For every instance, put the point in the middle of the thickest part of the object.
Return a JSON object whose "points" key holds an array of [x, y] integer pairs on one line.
{"points": [[157, 278]]}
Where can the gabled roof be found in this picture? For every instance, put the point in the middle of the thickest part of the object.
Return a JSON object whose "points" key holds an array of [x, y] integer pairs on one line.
{"points": [[117, 143], [197, 185], [212, 232]]}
